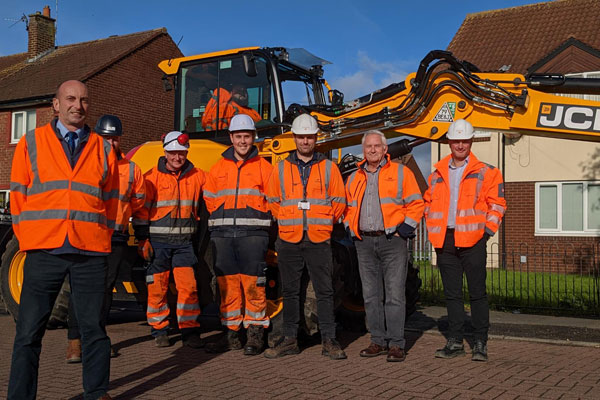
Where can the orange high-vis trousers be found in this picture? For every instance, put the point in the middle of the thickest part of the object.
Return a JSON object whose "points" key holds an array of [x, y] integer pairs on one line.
{"points": [[240, 269]]}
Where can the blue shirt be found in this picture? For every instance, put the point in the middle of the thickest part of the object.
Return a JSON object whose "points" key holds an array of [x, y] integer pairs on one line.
{"points": [[63, 131], [456, 174]]}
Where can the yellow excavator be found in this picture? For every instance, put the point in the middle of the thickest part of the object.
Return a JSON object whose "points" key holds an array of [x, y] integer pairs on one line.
{"points": [[277, 84]]}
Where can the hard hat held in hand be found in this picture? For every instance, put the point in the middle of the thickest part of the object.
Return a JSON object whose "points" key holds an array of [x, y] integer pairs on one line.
{"points": [[241, 122], [109, 125], [305, 124], [460, 130], [176, 141]]}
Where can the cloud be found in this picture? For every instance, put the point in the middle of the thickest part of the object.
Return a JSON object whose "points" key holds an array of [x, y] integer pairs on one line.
{"points": [[369, 75]]}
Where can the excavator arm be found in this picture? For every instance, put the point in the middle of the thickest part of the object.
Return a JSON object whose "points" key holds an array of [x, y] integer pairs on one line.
{"points": [[445, 89]]}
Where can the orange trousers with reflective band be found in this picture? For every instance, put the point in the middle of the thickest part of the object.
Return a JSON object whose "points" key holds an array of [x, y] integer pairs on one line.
{"points": [[188, 308], [239, 266]]}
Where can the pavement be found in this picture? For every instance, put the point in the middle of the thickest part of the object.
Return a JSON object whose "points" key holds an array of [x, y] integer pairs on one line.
{"points": [[531, 356]]}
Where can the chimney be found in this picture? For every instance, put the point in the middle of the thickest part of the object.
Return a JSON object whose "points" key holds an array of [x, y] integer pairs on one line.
{"points": [[41, 34]]}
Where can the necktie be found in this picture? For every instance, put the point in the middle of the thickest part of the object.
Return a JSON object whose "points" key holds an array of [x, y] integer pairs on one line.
{"points": [[71, 136]]}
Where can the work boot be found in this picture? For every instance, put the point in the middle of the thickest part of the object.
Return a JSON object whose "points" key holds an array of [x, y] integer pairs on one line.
{"points": [[479, 351], [284, 347], [162, 341], [194, 341], [74, 351], [256, 340], [229, 341], [453, 348], [333, 350]]}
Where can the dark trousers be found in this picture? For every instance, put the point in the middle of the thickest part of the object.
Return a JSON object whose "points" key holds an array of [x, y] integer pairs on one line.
{"points": [[453, 262], [120, 257], [382, 267], [43, 276], [291, 258]]}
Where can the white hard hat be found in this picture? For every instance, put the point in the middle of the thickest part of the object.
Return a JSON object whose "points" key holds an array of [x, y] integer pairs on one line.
{"points": [[241, 122], [176, 141], [305, 124], [460, 130]]}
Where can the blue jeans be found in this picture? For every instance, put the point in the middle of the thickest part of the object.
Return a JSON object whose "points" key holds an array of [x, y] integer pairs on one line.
{"points": [[382, 268], [43, 276]]}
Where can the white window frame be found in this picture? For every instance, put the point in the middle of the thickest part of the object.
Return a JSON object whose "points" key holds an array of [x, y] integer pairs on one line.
{"points": [[559, 231], [24, 113]]}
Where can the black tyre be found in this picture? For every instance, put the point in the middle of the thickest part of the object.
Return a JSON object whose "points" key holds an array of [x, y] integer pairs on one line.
{"points": [[11, 284]]}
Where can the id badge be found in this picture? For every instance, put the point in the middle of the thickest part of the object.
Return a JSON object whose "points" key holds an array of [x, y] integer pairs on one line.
{"points": [[304, 205]]}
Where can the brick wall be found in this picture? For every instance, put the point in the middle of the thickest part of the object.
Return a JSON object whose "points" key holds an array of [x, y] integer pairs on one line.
{"points": [[547, 253], [132, 90]]}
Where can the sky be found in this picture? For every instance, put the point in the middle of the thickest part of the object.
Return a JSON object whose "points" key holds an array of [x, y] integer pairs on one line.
{"points": [[370, 43]]}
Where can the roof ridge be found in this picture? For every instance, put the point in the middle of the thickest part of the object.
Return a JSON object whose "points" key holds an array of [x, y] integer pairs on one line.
{"points": [[155, 30], [545, 3]]}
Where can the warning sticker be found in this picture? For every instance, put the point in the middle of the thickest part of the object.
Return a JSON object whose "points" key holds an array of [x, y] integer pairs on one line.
{"points": [[446, 113]]}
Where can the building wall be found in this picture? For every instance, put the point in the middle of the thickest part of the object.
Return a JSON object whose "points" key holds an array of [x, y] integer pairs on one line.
{"points": [[132, 90]]}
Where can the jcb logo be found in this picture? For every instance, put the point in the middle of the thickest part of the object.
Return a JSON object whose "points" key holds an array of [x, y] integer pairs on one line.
{"points": [[569, 117]]}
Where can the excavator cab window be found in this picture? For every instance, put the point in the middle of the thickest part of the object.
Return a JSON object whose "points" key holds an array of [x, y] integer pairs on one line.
{"points": [[212, 92]]}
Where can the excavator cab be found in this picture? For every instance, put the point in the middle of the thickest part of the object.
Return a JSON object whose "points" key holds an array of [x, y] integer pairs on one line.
{"points": [[259, 82]]}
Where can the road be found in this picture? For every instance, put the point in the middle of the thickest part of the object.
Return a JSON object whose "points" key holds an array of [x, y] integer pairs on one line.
{"points": [[518, 369]]}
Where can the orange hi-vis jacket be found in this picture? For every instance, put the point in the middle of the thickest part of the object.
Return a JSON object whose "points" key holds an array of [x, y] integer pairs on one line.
{"points": [[323, 199], [172, 201], [132, 193], [222, 103], [399, 196], [480, 208], [50, 200], [235, 195]]}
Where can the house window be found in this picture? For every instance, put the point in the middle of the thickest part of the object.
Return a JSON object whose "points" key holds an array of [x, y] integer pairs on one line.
{"points": [[4, 199], [567, 208], [22, 121]]}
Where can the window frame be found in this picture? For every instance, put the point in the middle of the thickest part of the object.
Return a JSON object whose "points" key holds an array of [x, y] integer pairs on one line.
{"points": [[559, 193], [25, 112]]}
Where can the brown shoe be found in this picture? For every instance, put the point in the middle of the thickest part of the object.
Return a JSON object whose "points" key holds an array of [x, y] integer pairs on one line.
{"points": [[74, 351], [333, 350], [373, 350], [396, 354]]}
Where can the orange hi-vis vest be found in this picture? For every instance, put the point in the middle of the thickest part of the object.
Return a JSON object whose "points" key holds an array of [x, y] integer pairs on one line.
{"points": [[399, 196], [221, 108], [323, 199], [172, 202], [50, 200], [235, 194], [480, 208], [132, 192]]}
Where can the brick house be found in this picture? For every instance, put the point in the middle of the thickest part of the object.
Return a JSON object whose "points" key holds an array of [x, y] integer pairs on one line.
{"points": [[551, 185], [120, 71]]}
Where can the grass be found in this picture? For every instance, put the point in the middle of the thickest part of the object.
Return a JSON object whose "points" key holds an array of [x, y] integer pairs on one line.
{"points": [[544, 291]]}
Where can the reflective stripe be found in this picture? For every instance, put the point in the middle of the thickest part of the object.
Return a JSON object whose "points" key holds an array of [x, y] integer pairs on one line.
{"points": [[353, 203], [32, 150], [87, 189], [113, 194], [183, 318], [210, 195], [413, 197], [231, 314], [172, 230], [138, 195], [434, 229], [411, 222], [318, 202], [37, 188], [435, 215], [158, 319], [281, 167], [470, 212], [240, 221], [85, 216], [481, 175], [107, 150], [157, 310], [231, 192], [319, 221], [475, 175], [17, 187], [341, 200], [493, 218], [290, 222], [255, 315], [168, 203], [469, 227], [501, 190], [400, 181], [328, 166], [351, 179], [189, 307], [38, 215], [273, 199], [236, 322], [264, 323], [498, 208], [391, 200]]}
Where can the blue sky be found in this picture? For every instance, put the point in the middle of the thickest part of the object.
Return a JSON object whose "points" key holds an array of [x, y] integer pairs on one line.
{"points": [[370, 43]]}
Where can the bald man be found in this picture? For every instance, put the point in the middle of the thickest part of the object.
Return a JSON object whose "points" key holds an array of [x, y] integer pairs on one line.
{"points": [[63, 211]]}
